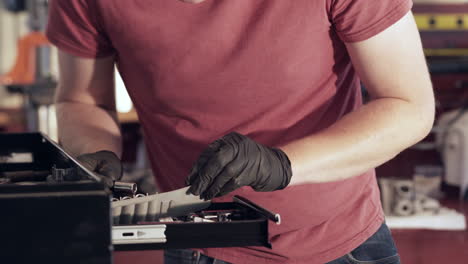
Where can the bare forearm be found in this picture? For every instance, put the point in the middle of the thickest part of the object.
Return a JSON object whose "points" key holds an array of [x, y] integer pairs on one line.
{"points": [[85, 128], [362, 140]]}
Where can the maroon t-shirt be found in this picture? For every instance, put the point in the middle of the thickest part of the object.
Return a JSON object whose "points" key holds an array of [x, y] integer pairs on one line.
{"points": [[274, 70]]}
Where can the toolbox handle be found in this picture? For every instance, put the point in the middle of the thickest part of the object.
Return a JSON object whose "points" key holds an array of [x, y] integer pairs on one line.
{"points": [[272, 216]]}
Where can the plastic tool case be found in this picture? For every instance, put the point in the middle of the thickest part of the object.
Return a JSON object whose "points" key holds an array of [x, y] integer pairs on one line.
{"points": [[52, 213]]}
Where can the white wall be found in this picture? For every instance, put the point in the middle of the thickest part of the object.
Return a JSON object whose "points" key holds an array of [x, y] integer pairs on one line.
{"points": [[12, 26]]}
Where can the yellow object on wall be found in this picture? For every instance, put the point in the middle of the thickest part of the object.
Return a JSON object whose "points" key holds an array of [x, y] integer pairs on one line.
{"points": [[442, 21]]}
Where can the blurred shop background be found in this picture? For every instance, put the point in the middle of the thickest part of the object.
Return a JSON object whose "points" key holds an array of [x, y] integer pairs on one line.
{"points": [[424, 189], [28, 77]]}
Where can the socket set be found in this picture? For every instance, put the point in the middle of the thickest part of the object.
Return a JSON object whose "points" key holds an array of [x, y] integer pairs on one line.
{"points": [[149, 208]]}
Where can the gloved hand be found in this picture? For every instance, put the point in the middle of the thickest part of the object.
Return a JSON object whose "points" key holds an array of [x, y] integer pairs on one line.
{"points": [[235, 161], [105, 163]]}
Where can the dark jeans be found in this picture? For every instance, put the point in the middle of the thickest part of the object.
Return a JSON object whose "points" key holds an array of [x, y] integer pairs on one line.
{"points": [[378, 249]]}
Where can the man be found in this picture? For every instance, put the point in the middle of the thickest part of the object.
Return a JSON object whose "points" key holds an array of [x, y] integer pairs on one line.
{"points": [[268, 92]]}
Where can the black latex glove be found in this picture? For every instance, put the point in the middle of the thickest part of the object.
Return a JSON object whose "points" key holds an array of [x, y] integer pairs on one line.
{"points": [[105, 163], [235, 161]]}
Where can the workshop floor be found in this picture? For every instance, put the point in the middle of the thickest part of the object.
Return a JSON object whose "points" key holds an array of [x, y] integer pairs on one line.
{"points": [[434, 247], [415, 246]]}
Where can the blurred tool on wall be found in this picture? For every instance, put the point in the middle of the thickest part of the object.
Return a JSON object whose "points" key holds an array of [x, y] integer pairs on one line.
{"points": [[452, 142], [31, 76]]}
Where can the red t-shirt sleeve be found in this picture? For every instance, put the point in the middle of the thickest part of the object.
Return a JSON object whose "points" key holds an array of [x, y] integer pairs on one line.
{"points": [[357, 20], [74, 27]]}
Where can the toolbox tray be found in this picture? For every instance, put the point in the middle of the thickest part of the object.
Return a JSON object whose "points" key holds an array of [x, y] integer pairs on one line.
{"points": [[251, 231]]}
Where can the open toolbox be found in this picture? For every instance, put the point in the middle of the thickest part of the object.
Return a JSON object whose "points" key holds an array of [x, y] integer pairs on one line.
{"points": [[58, 210]]}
